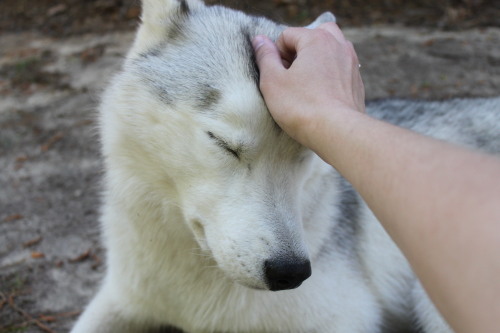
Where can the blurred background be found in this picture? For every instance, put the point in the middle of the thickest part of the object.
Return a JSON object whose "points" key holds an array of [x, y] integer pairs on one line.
{"points": [[68, 17]]}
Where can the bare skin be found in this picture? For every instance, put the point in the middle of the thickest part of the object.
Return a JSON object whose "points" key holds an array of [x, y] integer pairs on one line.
{"points": [[440, 203]]}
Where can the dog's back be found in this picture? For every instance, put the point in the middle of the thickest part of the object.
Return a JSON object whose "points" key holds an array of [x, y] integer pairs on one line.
{"points": [[473, 123]]}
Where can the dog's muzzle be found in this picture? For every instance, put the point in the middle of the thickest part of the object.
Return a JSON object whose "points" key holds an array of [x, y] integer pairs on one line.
{"points": [[282, 274]]}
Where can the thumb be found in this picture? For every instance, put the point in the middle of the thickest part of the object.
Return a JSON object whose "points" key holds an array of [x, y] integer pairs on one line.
{"points": [[266, 54]]}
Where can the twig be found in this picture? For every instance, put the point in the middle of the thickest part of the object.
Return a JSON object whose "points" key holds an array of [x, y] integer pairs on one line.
{"points": [[10, 301], [56, 316]]}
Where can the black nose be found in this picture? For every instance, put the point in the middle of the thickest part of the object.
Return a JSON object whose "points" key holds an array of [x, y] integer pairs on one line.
{"points": [[286, 274]]}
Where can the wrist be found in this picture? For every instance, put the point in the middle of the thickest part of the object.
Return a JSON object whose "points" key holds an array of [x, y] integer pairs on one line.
{"points": [[328, 127]]}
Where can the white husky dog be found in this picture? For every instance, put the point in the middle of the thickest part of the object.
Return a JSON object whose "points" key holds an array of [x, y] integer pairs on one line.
{"points": [[213, 217]]}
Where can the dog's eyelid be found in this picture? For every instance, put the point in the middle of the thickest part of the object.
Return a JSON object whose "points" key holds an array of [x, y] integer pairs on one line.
{"points": [[224, 145]]}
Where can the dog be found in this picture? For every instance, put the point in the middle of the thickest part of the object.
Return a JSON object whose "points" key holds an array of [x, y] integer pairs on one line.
{"points": [[215, 220]]}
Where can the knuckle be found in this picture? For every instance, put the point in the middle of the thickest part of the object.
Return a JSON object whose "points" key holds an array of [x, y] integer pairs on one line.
{"points": [[329, 25], [286, 34], [322, 35]]}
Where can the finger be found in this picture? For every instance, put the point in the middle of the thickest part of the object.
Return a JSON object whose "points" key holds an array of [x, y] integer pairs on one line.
{"points": [[292, 40], [288, 42], [267, 54], [334, 29]]}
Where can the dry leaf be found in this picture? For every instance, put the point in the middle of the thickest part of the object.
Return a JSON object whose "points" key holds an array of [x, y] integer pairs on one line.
{"points": [[37, 255], [81, 257], [53, 139], [13, 217], [33, 241]]}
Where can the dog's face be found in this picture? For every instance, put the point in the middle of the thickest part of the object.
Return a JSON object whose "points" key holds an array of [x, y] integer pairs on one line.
{"points": [[196, 115], [239, 191]]}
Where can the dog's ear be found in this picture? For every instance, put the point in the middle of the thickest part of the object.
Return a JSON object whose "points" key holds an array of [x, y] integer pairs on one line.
{"points": [[158, 13], [323, 18], [158, 18]]}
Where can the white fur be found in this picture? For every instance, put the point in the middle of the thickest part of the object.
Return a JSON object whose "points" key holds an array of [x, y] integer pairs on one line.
{"points": [[187, 226]]}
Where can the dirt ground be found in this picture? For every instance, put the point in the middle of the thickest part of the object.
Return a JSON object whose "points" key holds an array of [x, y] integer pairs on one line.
{"points": [[56, 57]]}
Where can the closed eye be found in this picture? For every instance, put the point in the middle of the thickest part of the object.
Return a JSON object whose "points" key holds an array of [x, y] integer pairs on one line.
{"points": [[224, 145]]}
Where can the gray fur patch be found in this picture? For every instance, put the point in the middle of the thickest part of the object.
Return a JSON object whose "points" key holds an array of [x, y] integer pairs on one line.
{"points": [[345, 232], [177, 29], [208, 97], [154, 52], [184, 7], [206, 47], [248, 53]]}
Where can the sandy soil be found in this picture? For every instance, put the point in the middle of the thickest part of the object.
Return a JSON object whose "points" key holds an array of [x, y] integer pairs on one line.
{"points": [[51, 259]]}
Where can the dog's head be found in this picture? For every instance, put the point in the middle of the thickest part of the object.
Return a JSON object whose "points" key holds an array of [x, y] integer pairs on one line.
{"points": [[193, 115]]}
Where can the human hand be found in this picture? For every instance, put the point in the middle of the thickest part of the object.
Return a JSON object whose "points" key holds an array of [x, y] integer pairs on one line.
{"points": [[306, 75]]}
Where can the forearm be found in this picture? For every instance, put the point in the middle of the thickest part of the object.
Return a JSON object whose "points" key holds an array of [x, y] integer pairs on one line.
{"points": [[441, 210], [440, 203]]}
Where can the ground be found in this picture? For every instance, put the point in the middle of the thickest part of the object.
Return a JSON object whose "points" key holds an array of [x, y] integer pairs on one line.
{"points": [[55, 58]]}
